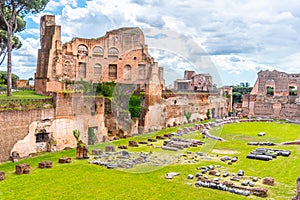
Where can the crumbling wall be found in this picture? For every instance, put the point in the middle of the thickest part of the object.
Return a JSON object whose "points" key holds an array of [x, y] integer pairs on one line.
{"points": [[15, 125], [281, 104]]}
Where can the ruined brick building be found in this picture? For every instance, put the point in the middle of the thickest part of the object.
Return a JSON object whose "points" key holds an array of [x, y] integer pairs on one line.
{"points": [[194, 82], [121, 56], [275, 94]]}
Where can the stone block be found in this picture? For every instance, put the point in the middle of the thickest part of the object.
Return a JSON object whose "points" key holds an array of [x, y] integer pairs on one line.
{"points": [[110, 149], [132, 143], [65, 160], [97, 152], [45, 164], [22, 169], [2, 176], [268, 181]]}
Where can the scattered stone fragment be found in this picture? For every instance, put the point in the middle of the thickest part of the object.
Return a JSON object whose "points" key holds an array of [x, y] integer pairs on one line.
{"points": [[122, 147], [159, 137], [255, 179], [212, 172], [261, 143], [2, 176], [260, 192], [152, 140], [245, 183], [234, 159], [251, 184], [261, 134], [143, 142], [190, 176], [267, 154], [268, 181], [97, 152], [235, 178], [110, 149], [65, 160], [240, 173], [225, 174], [211, 167], [22, 169], [45, 164], [169, 148], [132, 143], [225, 158], [170, 175], [112, 166]]}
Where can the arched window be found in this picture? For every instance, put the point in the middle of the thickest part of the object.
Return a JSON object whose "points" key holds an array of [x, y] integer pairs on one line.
{"points": [[113, 52], [98, 51], [270, 91], [293, 90], [68, 68], [82, 50], [127, 72]]}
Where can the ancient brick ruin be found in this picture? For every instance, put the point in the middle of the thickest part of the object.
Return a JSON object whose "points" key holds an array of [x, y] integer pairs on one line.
{"points": [[121, 56], [275, 94], [194, 82]]}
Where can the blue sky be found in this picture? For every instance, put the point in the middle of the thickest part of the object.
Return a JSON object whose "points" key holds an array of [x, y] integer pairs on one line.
{"points": [[239, 37]]}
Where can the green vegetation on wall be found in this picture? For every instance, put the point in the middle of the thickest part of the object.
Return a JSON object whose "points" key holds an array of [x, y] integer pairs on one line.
{"points": [[239, 91], [135, 106], [106, 89]]}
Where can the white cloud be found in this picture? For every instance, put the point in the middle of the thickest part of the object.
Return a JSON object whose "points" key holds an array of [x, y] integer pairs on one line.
{"points": [[262, 35]]}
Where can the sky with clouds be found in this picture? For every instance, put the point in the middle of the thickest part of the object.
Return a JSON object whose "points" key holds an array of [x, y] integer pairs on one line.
{"points": [[233, 38]]}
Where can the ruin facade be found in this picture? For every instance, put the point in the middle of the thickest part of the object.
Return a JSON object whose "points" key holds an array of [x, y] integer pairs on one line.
{"points": [[275, 94], [194, 82], [120, 55]]}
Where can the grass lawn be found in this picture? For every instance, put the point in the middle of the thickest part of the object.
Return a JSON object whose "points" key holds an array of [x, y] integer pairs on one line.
{"points": [[23, 94], [80, 180]]}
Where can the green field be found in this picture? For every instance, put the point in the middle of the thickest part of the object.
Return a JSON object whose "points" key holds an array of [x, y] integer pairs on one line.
{"points": [[80, 180], [23, 94]]}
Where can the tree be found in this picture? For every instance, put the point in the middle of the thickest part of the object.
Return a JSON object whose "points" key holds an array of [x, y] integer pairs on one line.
{"points": [[9, 12], [3, 77], [16, 43]]}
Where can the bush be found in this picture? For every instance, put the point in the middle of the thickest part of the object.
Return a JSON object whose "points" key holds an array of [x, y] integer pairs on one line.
{"points": [[135, 106]]}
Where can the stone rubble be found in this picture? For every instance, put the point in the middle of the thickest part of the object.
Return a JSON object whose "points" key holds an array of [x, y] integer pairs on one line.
{"points": [[2, 176], [65, 160], [125, 159], [45, 164], [267, 154], [22, 169]]}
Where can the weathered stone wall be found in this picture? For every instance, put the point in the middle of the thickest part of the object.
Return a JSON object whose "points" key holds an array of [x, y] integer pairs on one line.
{"points": [[14, 126], [19, 129], [280, 104], [177, 107]]}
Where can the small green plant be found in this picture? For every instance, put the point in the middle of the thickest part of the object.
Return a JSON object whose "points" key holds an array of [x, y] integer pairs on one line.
{"points": [[76, 134], [208, 114], [187, 116]]}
